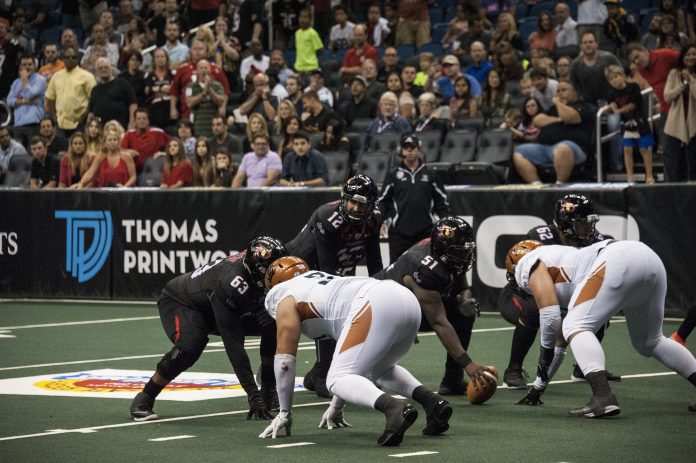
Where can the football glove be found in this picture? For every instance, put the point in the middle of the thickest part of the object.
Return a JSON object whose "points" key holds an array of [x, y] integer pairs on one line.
{"points": [[257, 407], [533, 397], [469, 307], [333, 418], [264, 319], [283, 420]]}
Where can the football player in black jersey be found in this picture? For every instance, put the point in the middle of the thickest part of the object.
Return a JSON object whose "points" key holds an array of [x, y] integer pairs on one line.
{"points": [[225, 298], [334, 240], [574, 224], [435, 270]]}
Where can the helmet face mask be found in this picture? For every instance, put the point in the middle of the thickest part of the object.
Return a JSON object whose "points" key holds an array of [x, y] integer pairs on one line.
{"points": [[260, 254], [452, 242], [576, 218], [358, 198]]}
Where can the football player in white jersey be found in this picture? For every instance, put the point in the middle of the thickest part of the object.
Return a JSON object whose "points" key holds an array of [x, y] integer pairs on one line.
{"points": [[606, 278], [374, 323]]}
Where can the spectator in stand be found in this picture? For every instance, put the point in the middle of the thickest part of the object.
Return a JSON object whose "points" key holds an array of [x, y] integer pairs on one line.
{"points": [[377, 26], [680, 128], [668, 29], [45, 168], [221, 136], [626, 100], [76, 162], [407, 104], [224, 169], [530, 108], [68, 39], [359, 106], [507, 62], [106, 21], [541, 58], [256, 125], [651, 39], [94, 135], [304, 166], [112, 98], [259, 168], [545, 35], [390, 63], [260, 100], [506, 31], [158, 83], [355, 57], [285, 21], [620, 28], [294, 87], [414, 23], [68, 92], [673, 9], [369, 72], [316, 83], [672, 41], [8, 149], [308, 44], [391, 14], [463, 105], [475, 33], [408, 77], [563, 68], [513, 123], [56, 143], [564, 137], [158, 24], [206, 97], [277, 64], [184, 76], [100, 41], [286, 110], [427, 68], [145, 140], [26, 99], [51, 62], [492, 9], [177, 171], [127, 14], [26, 43], [387, 120], [177, 51], [427, 122], [185, 132], [334, 139], [544, 88], [256, 62], [134, 76], [341, 36], [288, 135], [566, 33], [480, 66], [456, 27], [316, 115], [494, 101], [452, 71], [591, 17]]}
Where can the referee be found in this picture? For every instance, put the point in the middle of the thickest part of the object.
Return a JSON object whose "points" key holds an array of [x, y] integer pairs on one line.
{"points": [[412, 199]]}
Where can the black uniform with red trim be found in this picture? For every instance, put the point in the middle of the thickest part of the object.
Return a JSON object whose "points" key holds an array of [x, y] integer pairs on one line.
{"points": [[218, 298], [332, 244]]}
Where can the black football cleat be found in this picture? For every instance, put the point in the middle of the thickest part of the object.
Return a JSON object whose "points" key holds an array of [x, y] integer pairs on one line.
{"points": [[310, 379], [515, 379], [438, 417], [598, 407], [452, 388], [400, 417], [533, 397], [141, 408], [692, 407], [578, 375]]}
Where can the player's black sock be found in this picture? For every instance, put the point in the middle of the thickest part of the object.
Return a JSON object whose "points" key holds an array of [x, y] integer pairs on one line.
{"points": [[267, 376], [692, 378], [384, 403], [522, 340], [599, 383], [152, 389], [688, 324], [325, 351], [424, 396]]}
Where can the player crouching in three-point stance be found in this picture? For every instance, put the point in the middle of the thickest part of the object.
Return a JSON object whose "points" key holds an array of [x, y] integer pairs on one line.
{"points": [[604, 279], [374, 323]]}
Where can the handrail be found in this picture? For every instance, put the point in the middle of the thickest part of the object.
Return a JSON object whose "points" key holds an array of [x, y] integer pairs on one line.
{"points": [[7, 120], [599, 139]]}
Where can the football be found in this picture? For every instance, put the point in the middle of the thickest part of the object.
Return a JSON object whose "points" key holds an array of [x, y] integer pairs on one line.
{"points": [[481, 394]]}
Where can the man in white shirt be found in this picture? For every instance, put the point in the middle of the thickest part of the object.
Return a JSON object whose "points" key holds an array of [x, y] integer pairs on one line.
{"points": [[566, 35], [257, 60]]}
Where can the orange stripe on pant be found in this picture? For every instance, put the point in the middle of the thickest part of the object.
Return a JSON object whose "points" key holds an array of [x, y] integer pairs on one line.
{"points": [[592, 285], [359, 328]]}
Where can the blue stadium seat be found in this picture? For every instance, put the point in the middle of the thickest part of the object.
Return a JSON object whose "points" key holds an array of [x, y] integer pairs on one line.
{"points": [[634, 6], [439, 31], [543, 6], [526, 28], [435, 48], [405, 51], [436, 14]]}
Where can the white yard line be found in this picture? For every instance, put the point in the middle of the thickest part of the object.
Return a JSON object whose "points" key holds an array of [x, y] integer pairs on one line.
{"points": [[164, 439], [413, 454], [84, 322], [282, 446]]}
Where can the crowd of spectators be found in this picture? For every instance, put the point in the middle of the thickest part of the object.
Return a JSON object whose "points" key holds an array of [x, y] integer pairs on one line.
{"points": [[120, 92]]}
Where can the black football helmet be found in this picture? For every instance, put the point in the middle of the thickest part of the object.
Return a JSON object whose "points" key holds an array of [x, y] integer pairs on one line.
{"points": [[452, 242], [260, 254], [575, 216], [362, 190]]}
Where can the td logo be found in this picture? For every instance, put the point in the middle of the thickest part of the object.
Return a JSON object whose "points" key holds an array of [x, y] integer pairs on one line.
{"points": [[84, 261]]}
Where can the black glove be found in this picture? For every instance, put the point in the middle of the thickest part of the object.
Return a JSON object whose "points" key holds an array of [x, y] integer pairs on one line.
{"points": [[532, 398], [257, 407], [469, 307], [264, 319]]}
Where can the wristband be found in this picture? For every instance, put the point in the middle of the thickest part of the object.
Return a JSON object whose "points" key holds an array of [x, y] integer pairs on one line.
{"points": [[463, 360]]}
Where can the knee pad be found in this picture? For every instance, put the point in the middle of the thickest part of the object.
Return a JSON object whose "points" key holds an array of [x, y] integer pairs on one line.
{"points": [[176, 361]]}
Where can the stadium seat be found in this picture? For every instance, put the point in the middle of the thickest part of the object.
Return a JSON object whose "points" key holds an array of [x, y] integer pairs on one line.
{"points": [[441, 171], [473, 173], [435, 48], [290, 57], [474, 124], [495, 122], [495, 147], [436, 14], [375, 165], [152, 172], [430, 145], [338, 163], [439, 31], [360, 125], [526, 28], [357, 141], [316, 138], [543, 6], [18, 171], [405, 51], [459, 146], [386, 142]]}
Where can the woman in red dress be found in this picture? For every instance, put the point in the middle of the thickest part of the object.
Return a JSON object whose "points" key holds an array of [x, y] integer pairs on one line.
{"points": [[177, 171], [116, 168]]}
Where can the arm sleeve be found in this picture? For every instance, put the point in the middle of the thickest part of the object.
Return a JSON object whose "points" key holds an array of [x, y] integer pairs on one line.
{"points": [[230, 327], [38, 88]]}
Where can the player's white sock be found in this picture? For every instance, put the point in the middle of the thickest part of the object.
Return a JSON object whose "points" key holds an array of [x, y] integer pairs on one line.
{"points": [[399, 380], [356, 389], [588, 352], [675, 356]]}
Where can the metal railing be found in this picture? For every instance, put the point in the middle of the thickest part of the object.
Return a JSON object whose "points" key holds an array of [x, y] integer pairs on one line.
{"points": [[600, 140]]}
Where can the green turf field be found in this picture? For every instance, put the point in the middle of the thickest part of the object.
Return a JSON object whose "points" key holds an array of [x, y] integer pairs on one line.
{"points": [[56, 337]]}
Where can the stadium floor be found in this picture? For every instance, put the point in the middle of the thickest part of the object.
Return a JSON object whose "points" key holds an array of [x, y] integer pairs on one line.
{"points": [[42, 338]]}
